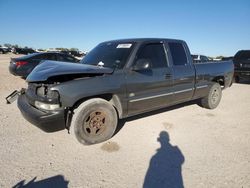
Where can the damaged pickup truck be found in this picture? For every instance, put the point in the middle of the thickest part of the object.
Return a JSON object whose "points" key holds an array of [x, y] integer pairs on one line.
{"points": [[115, 80]]}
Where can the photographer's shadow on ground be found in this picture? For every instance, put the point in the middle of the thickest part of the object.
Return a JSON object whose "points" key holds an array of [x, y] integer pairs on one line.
{"points": [[52, 182], [165, 166]]}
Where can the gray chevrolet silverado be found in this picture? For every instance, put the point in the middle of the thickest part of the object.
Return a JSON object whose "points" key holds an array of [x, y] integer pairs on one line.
{"points": [[115, 80]]}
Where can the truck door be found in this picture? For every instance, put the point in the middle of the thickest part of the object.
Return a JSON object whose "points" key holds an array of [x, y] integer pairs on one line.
{"points": [[183, 72], [149, 87]]}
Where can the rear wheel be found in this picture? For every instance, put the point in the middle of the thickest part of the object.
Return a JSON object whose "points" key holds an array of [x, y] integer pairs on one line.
{"points": [[94, 121], [213, 98]]}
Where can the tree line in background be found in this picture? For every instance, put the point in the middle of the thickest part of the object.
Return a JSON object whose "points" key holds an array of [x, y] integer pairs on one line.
{"points": [[40, 49]]}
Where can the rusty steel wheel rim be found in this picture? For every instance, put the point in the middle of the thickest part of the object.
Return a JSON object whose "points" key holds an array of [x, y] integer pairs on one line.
{"points": [[95, 123], [215, 96]]}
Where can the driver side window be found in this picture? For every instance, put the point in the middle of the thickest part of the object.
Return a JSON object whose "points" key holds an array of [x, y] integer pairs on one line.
{"points": [[155, 53]]}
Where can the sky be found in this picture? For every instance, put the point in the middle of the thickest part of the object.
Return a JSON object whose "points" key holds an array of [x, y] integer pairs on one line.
{"points": [[213, 28]]}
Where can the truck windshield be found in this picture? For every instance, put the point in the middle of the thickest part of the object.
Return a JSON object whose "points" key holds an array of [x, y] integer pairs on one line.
{"points": [[110, 54]]}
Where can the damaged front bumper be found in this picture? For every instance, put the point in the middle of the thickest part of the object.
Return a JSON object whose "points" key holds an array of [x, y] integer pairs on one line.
{"points": [[48, 121]]}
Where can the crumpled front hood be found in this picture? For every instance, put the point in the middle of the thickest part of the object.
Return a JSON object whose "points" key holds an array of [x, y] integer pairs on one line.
{"points": [[49, 69]]}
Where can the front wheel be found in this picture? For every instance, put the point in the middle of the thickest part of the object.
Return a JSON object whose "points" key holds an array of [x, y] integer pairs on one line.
{"points": [[213, 98], [94, 121]]}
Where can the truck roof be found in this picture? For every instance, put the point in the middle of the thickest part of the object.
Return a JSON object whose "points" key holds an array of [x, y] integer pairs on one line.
{"points": [[140, 40]]}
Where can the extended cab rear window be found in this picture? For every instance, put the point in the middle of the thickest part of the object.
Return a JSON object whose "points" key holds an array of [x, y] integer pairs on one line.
{"points": [[178, 53]]}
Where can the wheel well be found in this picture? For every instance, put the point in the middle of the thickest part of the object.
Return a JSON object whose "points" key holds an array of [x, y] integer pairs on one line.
{"points": [[112, 98], [219, 80]]}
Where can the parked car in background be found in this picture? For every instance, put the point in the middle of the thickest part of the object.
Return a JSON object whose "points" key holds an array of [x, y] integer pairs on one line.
{"points": [[22, 66], [227, 58], [200, 58], [76, 53], [23, 51], [73, 53], [242, 65], [40, 50], [4, 50]]}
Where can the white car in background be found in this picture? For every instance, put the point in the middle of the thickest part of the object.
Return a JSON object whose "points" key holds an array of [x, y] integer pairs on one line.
{"points": [[200, 58]]}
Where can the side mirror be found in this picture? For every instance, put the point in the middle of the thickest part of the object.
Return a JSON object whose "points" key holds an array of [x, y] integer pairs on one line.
{"points": [[142, 64]]}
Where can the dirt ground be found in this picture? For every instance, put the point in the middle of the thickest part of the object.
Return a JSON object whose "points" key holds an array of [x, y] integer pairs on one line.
{"points": [[181, 146]]}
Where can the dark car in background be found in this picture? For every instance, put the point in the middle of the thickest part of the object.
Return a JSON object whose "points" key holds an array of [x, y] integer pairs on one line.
{"points": [[22, 66], [230, 58], [23, 51], [73, 53], [242, 65]]}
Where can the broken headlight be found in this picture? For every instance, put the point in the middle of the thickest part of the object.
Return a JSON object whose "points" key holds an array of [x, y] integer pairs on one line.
{"points": [[45, 92], [52, 94], [40, 91]]}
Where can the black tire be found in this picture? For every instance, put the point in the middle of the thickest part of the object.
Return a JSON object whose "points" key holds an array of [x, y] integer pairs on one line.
{"points": [[94, 121], [213, 98]]}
